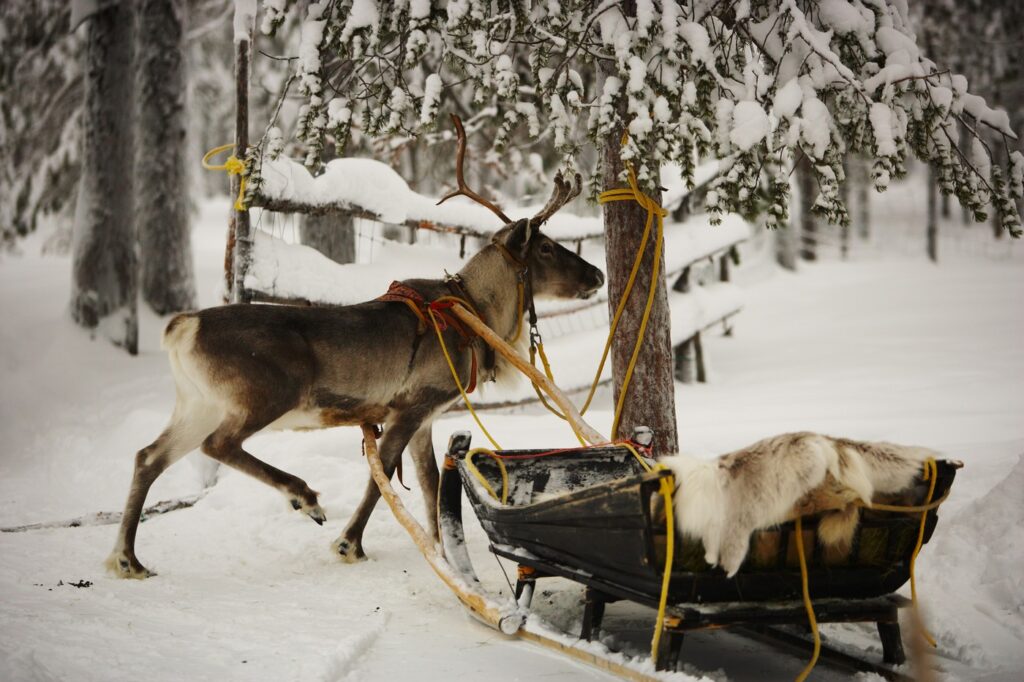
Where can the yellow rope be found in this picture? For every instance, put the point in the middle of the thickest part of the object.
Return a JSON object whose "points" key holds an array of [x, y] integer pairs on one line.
{"points": [[539, 350], [807, 602], [234, 166], [605, 197], [931, 473], [643, 463], [458, 382], [667, 490], [480, 477], [654, 212]]}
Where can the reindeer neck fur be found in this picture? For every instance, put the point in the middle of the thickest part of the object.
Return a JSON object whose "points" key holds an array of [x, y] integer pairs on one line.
{"points": [[492, 282]]}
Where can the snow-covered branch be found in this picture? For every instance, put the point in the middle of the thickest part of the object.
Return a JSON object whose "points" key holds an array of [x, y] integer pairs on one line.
{"points": [[757, 80]]}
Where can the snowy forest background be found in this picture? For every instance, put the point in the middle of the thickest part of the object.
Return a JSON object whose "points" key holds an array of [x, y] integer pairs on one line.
{"points": [[898, 321]]}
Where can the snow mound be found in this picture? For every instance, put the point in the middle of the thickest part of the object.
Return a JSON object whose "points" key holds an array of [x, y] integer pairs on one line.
{"points": [[977, 555]]}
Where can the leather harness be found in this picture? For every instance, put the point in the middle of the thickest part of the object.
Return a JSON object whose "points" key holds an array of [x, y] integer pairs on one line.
{"points": [[440, 310]]}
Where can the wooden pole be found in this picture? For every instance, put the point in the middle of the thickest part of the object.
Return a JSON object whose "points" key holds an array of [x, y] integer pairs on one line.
{"points": [[239, 248], [477, 602], [473, 597], [520, 363]]}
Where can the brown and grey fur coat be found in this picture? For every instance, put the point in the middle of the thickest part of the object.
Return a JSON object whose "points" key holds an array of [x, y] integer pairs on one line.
{"points": [[722, 501]]}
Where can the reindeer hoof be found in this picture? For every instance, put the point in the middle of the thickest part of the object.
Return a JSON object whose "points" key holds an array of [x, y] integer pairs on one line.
{"points": [[312, 510], [348, 551], [123, 566], [317, 514]]}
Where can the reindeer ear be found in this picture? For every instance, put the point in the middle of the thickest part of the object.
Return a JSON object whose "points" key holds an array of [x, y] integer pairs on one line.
{"points": [[519, 236]]}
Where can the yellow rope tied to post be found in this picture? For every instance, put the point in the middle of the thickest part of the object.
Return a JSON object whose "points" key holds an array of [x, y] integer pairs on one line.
{"points": [[234, 166], [655, 213]]}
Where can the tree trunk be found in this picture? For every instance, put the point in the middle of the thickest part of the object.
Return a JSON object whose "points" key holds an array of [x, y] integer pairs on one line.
{"points": [[238, 251], [863, 215], [785, 247], [332, 234], [104, 277], [844, 228], [650, 400], [933, 217], [808, 226], [165, 242]]}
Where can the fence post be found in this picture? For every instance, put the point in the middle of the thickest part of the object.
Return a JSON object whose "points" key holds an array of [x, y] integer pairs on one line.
{"points": [[239, 250]]}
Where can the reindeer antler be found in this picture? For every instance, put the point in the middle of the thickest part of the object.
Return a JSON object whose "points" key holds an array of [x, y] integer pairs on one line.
{"points": [[463, 188], [563, 193]]}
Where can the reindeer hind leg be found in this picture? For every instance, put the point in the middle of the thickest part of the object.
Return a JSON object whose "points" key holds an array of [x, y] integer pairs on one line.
{"points": [[184, 434]]}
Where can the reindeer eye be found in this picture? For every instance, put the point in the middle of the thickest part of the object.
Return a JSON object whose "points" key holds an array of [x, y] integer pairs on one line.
{"points": [[547, 249]]}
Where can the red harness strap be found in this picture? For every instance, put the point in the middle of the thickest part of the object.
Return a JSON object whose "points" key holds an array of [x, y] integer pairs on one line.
{"points": [[402, 293]]}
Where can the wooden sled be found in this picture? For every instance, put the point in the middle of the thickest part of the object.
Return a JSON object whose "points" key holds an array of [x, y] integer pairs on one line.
{"points": [[591, 516]]}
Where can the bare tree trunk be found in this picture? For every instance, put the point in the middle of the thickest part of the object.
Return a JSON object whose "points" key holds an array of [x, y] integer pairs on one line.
{"points": [[650, 400], [863, 216], [162, 209], [332, 234], [808, 227], [844, 228], [933, 215], [785, 247], [104, 267]]}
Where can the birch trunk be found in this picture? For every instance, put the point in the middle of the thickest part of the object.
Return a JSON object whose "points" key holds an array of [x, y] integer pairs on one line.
{"points": [[104, 277], [168, 282]]}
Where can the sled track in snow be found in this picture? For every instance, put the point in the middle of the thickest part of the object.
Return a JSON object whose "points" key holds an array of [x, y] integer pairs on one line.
{"points": [[110, 518]]}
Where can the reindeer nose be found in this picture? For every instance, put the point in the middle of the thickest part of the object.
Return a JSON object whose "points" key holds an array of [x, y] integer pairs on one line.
{"points": [[596, 278]]}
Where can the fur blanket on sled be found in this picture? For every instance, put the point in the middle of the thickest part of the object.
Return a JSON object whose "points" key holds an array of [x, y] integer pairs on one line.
{"points": [[722, 501]]}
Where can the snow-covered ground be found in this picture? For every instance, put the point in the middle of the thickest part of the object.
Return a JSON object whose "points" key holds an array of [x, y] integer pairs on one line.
{"points": [[876, 348]]}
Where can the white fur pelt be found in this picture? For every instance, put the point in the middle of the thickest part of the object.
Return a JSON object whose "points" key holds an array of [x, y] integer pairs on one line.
{"points": [[723, 500]]}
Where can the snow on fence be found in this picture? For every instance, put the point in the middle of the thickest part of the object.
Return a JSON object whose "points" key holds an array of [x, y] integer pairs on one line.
{"points": [[366, 188]]}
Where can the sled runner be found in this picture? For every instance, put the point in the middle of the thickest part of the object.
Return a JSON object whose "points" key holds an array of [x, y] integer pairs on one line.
{"points": [[592, 516]]}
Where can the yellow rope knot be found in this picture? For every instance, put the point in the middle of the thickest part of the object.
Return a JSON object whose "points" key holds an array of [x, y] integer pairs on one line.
{"points": [[234, 166]]}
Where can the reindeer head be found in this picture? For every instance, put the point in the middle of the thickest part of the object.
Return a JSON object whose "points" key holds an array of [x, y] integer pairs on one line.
{"points": [[554, 271]]}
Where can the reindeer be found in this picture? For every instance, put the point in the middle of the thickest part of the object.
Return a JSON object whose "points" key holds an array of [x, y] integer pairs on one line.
{"points": [[240, 369]]}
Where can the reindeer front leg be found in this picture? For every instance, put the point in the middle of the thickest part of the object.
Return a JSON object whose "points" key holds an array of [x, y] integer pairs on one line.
{"points": [[398, 431]]}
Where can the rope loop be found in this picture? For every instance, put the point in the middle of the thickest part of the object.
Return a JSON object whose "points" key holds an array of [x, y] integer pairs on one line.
{"points": [[233, 166]]}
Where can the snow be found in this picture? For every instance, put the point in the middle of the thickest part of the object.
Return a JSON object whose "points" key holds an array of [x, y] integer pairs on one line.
{"points": [[245, 15], [372, 186], [881, 347], [815, 127], [787, 99], [881, 125], [844, 17], [750, 124]]}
